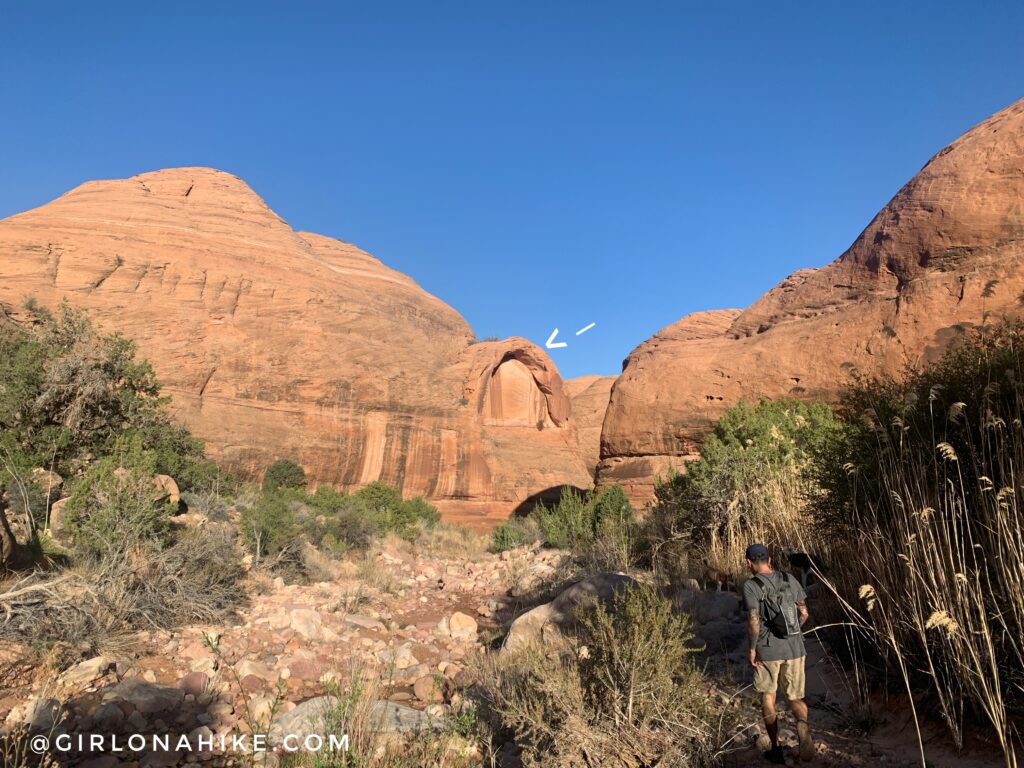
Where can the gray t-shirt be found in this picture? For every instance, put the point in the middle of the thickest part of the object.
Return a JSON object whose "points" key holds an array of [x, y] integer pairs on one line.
{"points": [[770, 647]]}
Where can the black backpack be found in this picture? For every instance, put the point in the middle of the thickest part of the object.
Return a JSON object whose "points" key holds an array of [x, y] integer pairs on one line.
{"points": [[778, 607]]}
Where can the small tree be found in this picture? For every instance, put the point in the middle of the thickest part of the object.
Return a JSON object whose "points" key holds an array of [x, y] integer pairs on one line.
{"points": [[269, 525], [284, 473]]}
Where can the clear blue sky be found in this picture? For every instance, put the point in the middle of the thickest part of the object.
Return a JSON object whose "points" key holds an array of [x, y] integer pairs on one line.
{"points": [[533, 164]]}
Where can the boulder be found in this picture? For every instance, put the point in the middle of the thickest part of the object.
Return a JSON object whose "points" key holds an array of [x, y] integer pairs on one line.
{"points": [[388, 717], [195, 683], [428, 689], [58, 525], [48, 482], [168, 489], [310, 624], [364, 622], [462, 626], [37, 715], [709, 606], [544, 624], [252, 668]]}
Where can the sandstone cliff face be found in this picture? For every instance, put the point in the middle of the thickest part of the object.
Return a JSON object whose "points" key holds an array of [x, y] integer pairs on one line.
{"points": [[278, 343], [944, 255], [589, 396]]}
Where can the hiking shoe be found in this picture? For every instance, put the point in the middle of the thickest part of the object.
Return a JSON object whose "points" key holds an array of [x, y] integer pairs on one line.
{"points": [[806, 749], [775, 755]]}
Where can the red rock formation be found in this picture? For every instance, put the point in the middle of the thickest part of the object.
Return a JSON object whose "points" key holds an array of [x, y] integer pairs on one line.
{"points": [[944, 255], [275, 343], [589, 395]]}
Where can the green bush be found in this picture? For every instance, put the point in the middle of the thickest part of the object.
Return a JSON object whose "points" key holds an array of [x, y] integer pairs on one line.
{"points": [[269, 525], [333, 520], [284, 474], [756, 480], [340, 522], [116, 506], [569, 524], [598, 526], [422, 511], [748, 449], [515, 532], [392, 514], [69, 394]]}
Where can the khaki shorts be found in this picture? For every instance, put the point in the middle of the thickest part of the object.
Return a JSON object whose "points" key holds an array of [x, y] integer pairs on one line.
{"points": [[786, 674]]}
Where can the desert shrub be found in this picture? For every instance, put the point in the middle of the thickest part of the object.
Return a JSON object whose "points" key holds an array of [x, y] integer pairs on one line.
{"points": [[356, 712], [926, 483], [515, 532], [269, 525], [380, 499], [448, 540], [284, 473], [341, 521], [276, 523], [625, 693], [756, 479], [392, 514], [569, 524], [598, 527], [422, 511], [89, 609], [117, 506]]}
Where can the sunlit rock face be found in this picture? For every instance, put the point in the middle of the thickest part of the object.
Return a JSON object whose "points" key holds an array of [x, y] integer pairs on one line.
{"points": [[945, 255], [275, 343]]}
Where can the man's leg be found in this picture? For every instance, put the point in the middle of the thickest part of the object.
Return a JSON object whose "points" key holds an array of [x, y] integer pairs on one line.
{"points": [[799, 709], [793, 687], [771, 717], [766, 679]]}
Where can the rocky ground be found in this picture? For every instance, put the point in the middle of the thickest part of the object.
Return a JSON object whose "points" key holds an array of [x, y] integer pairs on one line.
{"points": [[406, 619]]}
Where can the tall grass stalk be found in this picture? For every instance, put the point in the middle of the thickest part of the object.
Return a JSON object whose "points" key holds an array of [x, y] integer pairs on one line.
{"points": [[939, 547]]}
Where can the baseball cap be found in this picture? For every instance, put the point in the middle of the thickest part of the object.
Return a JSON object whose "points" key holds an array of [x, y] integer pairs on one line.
{"points": [[757, 552]]}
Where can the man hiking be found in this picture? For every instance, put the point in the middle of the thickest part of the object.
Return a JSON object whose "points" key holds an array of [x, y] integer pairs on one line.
{"points": [[777, 610]]}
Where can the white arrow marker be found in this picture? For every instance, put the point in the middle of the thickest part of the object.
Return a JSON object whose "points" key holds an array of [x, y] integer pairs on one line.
{"points": [[584, 330], [552, 344]]}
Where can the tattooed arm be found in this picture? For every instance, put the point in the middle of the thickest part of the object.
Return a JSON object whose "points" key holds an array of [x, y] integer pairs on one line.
{"points": [[753, 632]]}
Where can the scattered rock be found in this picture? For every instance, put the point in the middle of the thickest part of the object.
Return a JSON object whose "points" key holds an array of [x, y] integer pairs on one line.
{"points": [[84, 672], [252, 668], [364, 622], [147, 698], [195, 683], [310, 625], [38, 715]]}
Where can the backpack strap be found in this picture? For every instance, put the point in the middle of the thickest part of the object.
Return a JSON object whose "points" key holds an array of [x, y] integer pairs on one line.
{"points": [[764, 587]]}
